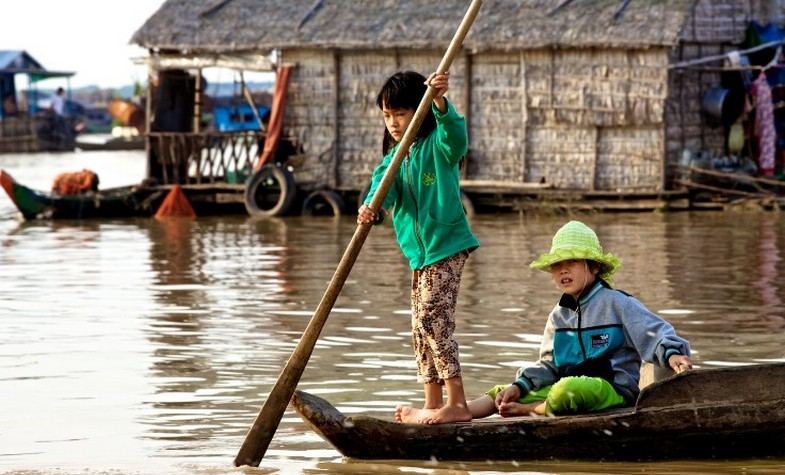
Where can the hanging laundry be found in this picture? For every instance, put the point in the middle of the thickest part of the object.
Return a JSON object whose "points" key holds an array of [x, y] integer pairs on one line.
{"points": [[764, 125]]}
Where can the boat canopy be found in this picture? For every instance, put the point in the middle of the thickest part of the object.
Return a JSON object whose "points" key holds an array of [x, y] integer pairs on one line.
{"points": [[13, 62], [20, 62]]}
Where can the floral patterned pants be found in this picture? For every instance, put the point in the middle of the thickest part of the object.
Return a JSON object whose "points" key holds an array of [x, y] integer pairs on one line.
{"points": [[434, 296]]}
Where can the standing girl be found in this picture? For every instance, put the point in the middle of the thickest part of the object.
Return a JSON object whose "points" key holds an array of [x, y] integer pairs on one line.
{"points": [[432, 231]]}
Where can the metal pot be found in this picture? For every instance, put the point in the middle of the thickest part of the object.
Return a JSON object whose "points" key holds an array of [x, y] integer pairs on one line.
{"points": [[722, 106]]}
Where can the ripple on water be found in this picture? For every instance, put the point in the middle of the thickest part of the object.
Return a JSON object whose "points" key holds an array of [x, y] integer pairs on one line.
{"points": [[154, 354]]}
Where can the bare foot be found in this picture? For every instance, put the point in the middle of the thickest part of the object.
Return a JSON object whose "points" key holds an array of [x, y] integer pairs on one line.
{"points": [[512, 409], [449, 413], [412, 415]]}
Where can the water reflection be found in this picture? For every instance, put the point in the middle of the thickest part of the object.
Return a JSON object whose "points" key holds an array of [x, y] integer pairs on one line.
{"points": [[168, 335], [214, 282], [180, 366], [769, 269]]}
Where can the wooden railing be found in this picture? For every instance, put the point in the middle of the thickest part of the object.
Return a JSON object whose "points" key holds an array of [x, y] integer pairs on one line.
{"points": [[201, 158]]}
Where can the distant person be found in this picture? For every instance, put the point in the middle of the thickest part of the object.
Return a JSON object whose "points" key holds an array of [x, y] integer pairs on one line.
{"points": [[9, 106], [432, 231], [594, 340], [58, 102]]}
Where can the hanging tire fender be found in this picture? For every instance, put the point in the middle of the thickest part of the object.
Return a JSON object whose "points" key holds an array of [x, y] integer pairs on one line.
{"points": [[323, 202], [270, 191]]}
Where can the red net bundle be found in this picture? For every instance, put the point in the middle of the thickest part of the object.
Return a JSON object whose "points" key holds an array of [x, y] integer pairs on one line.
{"points": [[175, 205]]}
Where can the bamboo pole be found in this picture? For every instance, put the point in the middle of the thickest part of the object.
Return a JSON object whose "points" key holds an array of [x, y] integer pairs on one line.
{"points": [[251, 103], [261, 432]]}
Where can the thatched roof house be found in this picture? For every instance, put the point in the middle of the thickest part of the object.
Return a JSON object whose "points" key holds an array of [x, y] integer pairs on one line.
{"points": [[577, 94]]}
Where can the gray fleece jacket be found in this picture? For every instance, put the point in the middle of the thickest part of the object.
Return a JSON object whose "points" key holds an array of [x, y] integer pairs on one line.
{"points": [[606, 334]]}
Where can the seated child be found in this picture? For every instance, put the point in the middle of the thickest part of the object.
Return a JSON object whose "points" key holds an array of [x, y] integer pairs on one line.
{"points": [[594, 340]]}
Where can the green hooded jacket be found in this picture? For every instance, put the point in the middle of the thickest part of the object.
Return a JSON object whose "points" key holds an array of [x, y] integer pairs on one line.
{"points": [[428, 217]]}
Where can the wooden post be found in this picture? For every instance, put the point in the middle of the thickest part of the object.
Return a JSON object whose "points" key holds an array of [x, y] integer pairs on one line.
{"points": [[524, 116], [593, 171], [148, 114], [467, 104], [198, 102], [336, 118]]}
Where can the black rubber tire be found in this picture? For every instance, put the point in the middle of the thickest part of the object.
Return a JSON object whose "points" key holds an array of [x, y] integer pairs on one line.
{"points": [[468, 206], [270, 191], [323, 203]]}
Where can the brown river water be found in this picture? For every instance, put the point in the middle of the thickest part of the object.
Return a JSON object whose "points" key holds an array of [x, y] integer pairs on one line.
{"points": [[138, 346]]}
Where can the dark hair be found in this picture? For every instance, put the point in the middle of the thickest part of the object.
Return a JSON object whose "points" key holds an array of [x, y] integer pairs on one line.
{"points": [[595, 265], [404, 90]]}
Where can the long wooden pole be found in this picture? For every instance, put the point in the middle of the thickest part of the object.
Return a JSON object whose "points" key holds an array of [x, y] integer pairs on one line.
{"points": [[261, 433]]}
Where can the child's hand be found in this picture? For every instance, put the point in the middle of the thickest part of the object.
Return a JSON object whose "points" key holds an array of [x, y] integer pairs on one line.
{"points": [[510, 394], [440, 82], [680, 363], [365, 215]]}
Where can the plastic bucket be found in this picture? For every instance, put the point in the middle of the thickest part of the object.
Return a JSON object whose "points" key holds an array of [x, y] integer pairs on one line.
{"points": [[736, 138]]}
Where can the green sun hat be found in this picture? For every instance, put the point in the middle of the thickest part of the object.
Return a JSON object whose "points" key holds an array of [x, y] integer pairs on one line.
{"points": [[575, 240]]}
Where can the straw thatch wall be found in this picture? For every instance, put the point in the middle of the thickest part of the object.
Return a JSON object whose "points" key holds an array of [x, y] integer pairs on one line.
{"points": [[553, 116], [332, 109]]}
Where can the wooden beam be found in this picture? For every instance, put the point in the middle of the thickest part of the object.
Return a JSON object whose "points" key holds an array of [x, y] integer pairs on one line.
{"points": [[593, 171], [336, 118], [197, 122], [735, 176], [558, 7], [467, 101], [721, 191], [148, 114], [620, 11], [524, 115]]}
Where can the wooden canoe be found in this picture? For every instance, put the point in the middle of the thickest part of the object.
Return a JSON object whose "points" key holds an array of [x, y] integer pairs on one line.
{"points": [[110, 203], [707, 413]]}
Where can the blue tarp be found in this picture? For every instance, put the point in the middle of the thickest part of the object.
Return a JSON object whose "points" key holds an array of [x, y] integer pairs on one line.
{"points": [[758, 34], [237, 117]]}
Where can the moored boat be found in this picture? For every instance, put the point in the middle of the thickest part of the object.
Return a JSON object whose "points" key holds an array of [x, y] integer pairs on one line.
{"points": [[123, 201], [87, 143], [707, 413]]}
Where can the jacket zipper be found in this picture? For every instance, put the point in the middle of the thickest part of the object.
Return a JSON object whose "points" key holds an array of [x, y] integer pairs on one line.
{"points": [[407, 164], [580, 330]]}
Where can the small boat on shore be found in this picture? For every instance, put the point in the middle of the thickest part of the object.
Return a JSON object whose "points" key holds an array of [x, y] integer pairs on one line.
{"points": [[103, 142], [706, 413], [117, 202]]}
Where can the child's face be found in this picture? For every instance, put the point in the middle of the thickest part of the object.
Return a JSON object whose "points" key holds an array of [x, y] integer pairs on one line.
{"points": [[396, 121], [573, 276]]}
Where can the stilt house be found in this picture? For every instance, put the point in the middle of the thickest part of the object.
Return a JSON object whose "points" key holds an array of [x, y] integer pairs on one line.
{"points": [[568, 95]]}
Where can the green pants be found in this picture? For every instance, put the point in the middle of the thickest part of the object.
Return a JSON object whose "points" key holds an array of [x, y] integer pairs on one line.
{"points": [[571, 395]]}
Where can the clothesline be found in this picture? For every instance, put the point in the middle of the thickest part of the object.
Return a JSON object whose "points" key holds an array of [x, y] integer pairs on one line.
{"points": [[719, 57]]}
